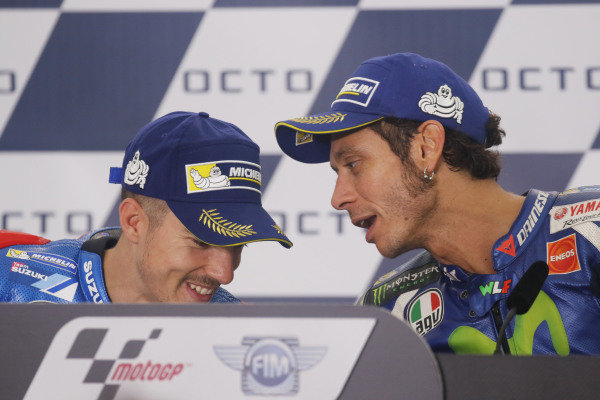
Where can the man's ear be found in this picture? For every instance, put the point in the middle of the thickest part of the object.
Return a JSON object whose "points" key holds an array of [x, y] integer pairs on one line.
{"points": [[133, 219], [429, 144]]}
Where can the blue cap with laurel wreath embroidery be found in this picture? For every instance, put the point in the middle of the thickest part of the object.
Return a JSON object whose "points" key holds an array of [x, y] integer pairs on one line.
{"points": [[207, 171], [403, 85]]}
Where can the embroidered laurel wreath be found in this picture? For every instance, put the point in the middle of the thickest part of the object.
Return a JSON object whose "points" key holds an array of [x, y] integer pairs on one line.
{"points": [[322, 119], [223, 227]]}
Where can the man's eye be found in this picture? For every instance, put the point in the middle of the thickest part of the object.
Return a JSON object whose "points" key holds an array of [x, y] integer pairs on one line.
{"points": [[201, 244], [351, 164]]}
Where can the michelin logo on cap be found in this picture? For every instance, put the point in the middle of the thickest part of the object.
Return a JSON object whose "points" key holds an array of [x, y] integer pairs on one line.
{"points": [[221, 175], [357, 90]]}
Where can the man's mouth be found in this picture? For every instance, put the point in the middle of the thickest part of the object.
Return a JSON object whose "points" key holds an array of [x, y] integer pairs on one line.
{"points": [[201, 290], [365, 223]]}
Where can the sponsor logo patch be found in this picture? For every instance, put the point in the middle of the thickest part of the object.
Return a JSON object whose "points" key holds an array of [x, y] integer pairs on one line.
{"points": [[426, 311], [508, 246], [136, 171], [54, 260], [532, 219], [495, 287], [395, 285], [303, 138], [23, 270], [562, 256], [222, 175], [128, 367], [565, 217], [56, 285], [442, 104], [357, 90], [270, 365]]}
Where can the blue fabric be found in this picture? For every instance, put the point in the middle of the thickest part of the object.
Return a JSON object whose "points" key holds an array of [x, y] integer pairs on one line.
{"points": [[403, 85], [208, 172], [561, 229], [60, 272]]}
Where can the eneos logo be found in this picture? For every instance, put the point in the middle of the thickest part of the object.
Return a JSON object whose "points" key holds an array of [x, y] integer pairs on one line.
{"points": [[426, 311], [562, 256]]}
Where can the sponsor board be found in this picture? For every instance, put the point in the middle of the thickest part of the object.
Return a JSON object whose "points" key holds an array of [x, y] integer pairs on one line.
{"points": [[151, 358]]}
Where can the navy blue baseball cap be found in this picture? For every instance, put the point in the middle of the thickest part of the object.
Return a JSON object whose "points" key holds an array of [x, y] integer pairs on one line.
{"points": [[403, 85], [207, 171]]}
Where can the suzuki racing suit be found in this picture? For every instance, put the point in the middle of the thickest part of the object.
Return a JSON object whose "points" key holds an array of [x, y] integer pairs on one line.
{"points": [[462, 313], [33, 269]]}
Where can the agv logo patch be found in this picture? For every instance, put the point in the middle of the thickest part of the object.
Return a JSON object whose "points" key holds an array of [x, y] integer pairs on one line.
{"points": [[426, 311]]}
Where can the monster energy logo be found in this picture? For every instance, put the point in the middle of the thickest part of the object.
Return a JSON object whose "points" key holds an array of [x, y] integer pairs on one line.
{"points": [[409, 280]]}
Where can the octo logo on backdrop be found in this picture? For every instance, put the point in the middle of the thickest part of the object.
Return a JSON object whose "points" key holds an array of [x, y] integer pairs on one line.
{"points": [[540, 78], [263, 80]]}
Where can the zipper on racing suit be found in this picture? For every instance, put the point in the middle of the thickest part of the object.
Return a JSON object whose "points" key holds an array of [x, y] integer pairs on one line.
{"points": [[498, 322]]}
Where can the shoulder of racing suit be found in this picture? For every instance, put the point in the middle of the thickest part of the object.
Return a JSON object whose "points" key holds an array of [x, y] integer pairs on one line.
{"points": [[10, 238], [416, 273], [578, 209]]}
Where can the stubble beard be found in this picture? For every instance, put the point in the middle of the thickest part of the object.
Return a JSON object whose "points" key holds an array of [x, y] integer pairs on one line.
{"points": [[144, 274], [415, 200]]}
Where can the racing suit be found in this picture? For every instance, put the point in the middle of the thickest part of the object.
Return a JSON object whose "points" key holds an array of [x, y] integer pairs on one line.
{"points": [[458, 312], [34, 269]]}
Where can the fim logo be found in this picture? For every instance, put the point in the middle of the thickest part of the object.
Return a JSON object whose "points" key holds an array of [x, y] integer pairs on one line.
{"points": [[270, 365], [126, 368], [426, 311]]}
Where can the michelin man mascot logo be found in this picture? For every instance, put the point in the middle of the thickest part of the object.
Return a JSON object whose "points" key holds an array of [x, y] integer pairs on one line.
{"points": [[442, 104], [214, 180], [136, 171]]}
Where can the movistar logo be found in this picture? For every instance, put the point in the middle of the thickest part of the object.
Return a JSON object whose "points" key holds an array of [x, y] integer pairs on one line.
{"points": [[468, 340]]}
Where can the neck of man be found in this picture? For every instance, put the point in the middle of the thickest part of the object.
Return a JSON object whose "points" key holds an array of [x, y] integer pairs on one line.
{"points": [[119, 279], [471, 216]]}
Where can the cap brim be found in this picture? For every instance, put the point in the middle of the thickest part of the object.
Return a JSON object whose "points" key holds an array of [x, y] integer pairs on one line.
{"points": [[228, 224], [307, 139]]}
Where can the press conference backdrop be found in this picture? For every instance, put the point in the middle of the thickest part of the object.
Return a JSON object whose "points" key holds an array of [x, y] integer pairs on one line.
{"points": [[78, 78]]}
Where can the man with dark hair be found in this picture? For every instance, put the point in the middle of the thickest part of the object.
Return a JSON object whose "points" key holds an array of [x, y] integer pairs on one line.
{"points": [[191, 199], [410, 142]]}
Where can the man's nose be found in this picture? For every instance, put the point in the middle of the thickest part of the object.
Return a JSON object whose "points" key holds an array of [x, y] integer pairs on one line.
{"points": [[342, 194], [222, 263]]}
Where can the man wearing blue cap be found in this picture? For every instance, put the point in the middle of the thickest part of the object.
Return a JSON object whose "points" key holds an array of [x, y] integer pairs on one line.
{"points": [[191, 190], [410, 143]]}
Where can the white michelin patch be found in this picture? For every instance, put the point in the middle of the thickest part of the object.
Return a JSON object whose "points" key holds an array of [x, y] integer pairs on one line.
{"points": [[443, 104], [136, 171]]}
